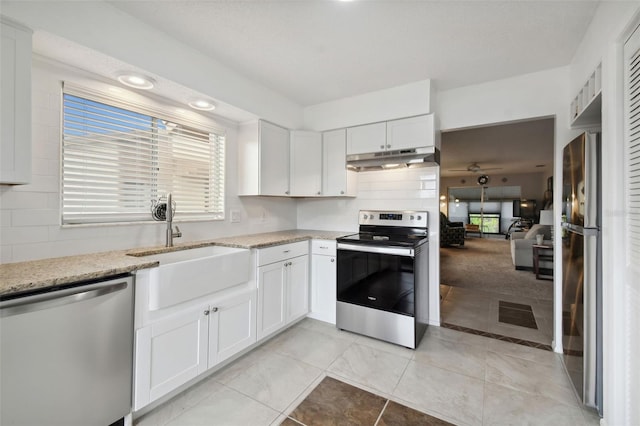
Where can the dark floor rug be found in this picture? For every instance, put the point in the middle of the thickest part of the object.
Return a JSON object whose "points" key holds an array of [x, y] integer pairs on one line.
{"points": [[516, 314], [333, 402], [485, 264]]}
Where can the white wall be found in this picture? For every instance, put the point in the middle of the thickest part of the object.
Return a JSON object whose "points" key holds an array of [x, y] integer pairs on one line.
{"points": [[400, 189], [603, 43], [532, 185], [395, 102], [100, 26], [30, 215]]}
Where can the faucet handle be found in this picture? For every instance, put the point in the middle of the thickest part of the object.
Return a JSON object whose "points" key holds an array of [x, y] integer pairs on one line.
{"points": [[177, 234]]}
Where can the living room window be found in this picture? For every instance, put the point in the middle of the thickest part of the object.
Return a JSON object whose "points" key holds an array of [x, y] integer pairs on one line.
{"points": [[118, 157]]}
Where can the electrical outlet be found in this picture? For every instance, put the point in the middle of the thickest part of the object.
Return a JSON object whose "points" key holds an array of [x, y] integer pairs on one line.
{"points": [[235, 216]]}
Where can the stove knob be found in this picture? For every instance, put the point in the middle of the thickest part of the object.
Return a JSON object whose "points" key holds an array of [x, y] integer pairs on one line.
{"points": [[412, 217], [366, 217], [419, 217]]}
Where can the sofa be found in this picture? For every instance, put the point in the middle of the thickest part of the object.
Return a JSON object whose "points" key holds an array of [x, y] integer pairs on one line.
{"points": [[451, 233], [522, 243]]}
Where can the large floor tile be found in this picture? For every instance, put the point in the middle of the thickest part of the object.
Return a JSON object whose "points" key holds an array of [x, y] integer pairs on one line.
{"points": [[529, 377], [504, 406], [276, 380], [372, 367], [442, 393], [326, 328], [456, 336], [391, 348], [227, 407], [307, 345], [539, 356], [454, 356], [179, 404], [333, 399]]}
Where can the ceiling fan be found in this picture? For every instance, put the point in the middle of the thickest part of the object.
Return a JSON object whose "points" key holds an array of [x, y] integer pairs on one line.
{"points": [[475, 168]]}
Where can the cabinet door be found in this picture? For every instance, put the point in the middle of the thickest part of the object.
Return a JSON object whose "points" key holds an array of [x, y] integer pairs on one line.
{"points": [[271, 299], [411, 132], [15, 127], [297, 288], [336, 179], [367, 138], [323, 288], [177, 351], [232, 326], [306, 163], [274, 159]]}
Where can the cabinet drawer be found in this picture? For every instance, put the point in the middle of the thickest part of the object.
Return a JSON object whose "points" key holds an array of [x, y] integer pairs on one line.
{"points": [[326, 247], [284, 251]]}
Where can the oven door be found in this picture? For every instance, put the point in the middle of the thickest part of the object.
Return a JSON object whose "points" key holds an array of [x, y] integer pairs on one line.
{"points": [[377, 277]]}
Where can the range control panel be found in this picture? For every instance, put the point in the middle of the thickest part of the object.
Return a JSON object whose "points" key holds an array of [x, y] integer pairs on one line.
{"points": [[405, 218]]}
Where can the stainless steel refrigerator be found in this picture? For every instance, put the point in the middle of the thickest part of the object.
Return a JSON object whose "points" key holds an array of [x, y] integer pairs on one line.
{"points": [[582, 267]]}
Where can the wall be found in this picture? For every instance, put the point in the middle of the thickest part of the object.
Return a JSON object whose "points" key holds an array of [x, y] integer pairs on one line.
{"points": [[532, 185], [30, 216], [400, 189], [101, 27], [621, 299], [396, 102]]}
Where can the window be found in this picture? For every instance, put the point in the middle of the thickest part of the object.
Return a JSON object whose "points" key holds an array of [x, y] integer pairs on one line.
{"points": [[117, 158]]}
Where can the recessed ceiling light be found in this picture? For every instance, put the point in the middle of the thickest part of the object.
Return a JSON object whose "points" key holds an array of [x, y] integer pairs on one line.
{"points": [[202, 105], [136, 81]]}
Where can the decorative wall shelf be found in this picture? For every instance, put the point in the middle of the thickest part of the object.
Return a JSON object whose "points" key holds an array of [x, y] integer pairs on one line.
{"points": [[586, 108]]}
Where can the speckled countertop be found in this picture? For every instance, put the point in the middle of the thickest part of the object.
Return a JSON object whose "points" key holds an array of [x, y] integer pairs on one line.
{"points": [[38, 274]]}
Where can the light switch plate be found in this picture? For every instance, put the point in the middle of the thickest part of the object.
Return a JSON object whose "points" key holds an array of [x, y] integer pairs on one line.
{"points": [[235, 216]]}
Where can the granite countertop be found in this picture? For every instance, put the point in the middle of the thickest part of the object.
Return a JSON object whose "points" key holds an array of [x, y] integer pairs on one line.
{"points": [[37, 274]]}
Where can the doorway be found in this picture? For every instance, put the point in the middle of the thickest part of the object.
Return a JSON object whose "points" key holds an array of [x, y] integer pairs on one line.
{"points": [[487, 173]]}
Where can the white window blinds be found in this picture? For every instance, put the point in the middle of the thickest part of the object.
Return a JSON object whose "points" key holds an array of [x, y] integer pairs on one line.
{"points": [[117, 159]]}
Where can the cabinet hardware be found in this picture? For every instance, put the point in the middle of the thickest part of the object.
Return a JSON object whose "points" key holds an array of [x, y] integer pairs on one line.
{"points": [[206, 312], [388, 146], [324, 247], [341, 192], [214, 309], [333, 260], [319, 192], [286, 251], [381, 146], [286, 192]]}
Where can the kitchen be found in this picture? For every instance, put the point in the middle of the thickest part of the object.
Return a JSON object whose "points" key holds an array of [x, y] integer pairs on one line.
{"points": [[30, 213]]}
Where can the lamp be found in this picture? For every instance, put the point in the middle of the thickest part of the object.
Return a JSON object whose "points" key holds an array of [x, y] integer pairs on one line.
{"points": [[546, 218]]}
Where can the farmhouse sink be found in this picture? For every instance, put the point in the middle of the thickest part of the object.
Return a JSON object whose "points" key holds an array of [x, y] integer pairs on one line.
{"points": [[189, 274]]}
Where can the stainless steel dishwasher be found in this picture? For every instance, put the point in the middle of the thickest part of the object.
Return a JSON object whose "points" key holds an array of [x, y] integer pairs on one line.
{"points": [[66, 355]]}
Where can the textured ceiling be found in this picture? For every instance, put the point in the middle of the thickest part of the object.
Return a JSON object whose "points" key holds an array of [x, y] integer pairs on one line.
{"points": [[514, 148], [314, 51]]}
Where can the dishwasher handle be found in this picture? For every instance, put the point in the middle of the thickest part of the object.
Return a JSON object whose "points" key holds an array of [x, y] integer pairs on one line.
{"points": [[60, 297]]}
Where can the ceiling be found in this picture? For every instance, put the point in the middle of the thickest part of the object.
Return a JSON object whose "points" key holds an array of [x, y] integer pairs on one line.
{"points": [[313, 51], [512, 148]]}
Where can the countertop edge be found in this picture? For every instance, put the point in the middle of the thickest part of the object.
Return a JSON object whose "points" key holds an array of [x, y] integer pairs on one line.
{"points": [[52, 272]]}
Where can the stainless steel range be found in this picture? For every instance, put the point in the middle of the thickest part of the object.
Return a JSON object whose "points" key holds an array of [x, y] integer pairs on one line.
{"points": [[383, 277]]}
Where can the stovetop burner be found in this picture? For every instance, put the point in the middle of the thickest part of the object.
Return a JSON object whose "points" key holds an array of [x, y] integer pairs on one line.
{"points": [[390, 228]]}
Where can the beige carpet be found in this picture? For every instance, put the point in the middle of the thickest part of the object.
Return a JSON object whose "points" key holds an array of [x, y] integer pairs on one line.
{"points": [[485, 264]]}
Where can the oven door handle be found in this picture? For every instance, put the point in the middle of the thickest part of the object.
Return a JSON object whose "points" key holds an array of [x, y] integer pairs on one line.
{"points": [[408, 252]]}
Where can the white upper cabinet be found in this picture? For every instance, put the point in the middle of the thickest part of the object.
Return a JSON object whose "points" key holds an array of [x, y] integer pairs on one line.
{"points": [[15, 77], [413, 132], [405, 133], [263, 159], [306, 163], [336, 179], [367, 138]]}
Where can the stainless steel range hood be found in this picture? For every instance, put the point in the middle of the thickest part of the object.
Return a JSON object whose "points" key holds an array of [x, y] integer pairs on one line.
{"points": [[414, 157]]}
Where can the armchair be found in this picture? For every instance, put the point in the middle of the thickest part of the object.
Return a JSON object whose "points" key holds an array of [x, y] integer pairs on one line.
{"points": [[522, 243], [450, 232]]}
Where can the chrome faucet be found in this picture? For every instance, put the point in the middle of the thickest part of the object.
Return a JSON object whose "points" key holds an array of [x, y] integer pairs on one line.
{"points": [[170, 234]]}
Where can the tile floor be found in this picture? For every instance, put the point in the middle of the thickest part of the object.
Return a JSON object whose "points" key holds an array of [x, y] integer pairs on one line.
{"points": [[457, 377], [480, 310]]}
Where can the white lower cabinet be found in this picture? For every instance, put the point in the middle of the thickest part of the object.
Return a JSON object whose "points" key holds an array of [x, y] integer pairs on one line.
{"points": [[283, 286], [173, 350], [323, 280]]}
